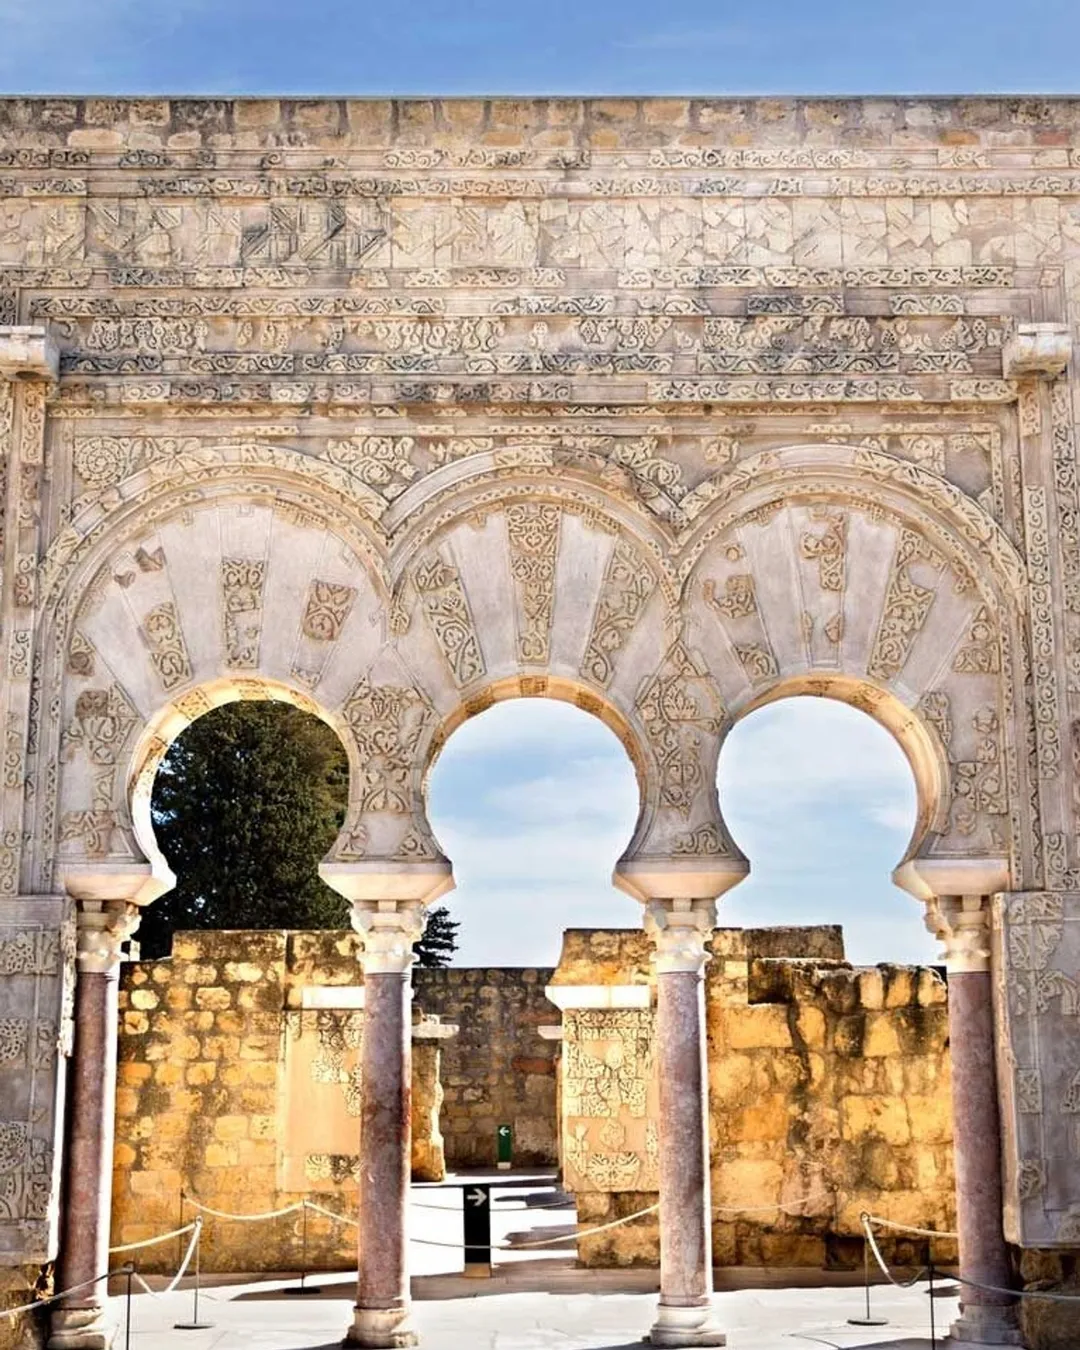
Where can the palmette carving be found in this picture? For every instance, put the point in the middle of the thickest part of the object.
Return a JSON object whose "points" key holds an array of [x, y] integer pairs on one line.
{"points": [[906, 607], [242, 581]]}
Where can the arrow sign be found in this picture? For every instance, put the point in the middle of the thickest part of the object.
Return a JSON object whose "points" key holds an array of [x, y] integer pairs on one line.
{"points": [[476, 1216], [504, 1131]]}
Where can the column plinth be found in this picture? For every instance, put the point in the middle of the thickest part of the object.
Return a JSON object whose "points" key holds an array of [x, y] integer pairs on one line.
{"points": [[381, 1317], [685, 1315], [80, 1322], [986, 1318]]}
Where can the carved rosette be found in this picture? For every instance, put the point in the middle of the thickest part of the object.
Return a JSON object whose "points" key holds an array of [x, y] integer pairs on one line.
{"points": [[388, 930], [103, 926], [680, 931]]}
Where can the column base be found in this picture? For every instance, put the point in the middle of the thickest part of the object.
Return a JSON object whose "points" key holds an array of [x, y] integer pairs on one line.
{"points": [[80, 1329], [676, 1326], [381, 1329], [985, 1324]]}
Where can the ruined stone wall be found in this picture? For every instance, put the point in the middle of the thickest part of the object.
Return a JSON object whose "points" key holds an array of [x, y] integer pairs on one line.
{"points": [[497, 1069], [829, 1094], [237, 1088]]}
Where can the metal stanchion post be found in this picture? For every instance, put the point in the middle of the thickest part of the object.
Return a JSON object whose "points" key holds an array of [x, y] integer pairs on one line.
{"points": [[195, 1324], [299, 1290], [127, 1318], [869, 1320], [930, 1291]]}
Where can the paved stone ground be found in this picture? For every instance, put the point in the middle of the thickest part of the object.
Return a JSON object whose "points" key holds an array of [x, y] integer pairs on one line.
{"points": [[534, 1302]]}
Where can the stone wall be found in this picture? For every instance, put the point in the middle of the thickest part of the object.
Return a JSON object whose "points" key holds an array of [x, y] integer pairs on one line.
{"points": [[239, 1079], [829, 1094], [497, 1069], [237, 1088]]}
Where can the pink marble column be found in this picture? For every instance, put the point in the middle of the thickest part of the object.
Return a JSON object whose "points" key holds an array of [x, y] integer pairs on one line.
{"points": [[680, 929], [382, 1312], [79, 1322], [986, 1318]]}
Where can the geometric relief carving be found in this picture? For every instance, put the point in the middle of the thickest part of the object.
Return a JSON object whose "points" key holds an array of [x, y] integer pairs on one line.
{"points": [[326, 610], [25, 1172], [165, 638], [446, 609], [242, 581], [532, 530], [625, 591], [33, 951], [905, 609]]}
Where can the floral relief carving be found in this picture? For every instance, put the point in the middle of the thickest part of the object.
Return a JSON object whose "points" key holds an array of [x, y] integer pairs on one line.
{"points": [[979, 654], [757, 660], [532, 529], [678, 710], [446, 609], [626, 589], [934, 706], [904, 612], [327, 607], [242, 582], [168, 651], [827, 549], [979, 783], [388, 721], [739, 599]]}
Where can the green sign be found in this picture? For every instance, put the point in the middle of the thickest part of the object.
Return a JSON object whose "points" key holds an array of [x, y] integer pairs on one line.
{"points": [[504, 1145]]}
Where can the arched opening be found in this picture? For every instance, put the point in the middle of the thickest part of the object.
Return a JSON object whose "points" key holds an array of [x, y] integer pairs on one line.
{"points": [[534, 800], [246, 802], [823, 801]]}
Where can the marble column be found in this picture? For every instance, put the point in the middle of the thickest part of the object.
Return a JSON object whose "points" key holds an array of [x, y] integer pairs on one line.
{"points": [[79, 1322], [382, 1312], [962, 922], [680, 930]]}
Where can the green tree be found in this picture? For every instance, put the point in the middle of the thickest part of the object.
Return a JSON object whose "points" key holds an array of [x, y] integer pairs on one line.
{"points": [[439, 942], [246, 804]]}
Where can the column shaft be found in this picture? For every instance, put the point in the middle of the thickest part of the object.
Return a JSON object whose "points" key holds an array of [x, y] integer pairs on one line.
{"points": [[986, 1318], [79, 1323], [382, 1300]]}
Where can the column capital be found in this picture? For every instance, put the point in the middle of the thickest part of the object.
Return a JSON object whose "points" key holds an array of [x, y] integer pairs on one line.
{"points": [[961, 923], [388, 928], [27, 353], [680, 930], [102, 927]]}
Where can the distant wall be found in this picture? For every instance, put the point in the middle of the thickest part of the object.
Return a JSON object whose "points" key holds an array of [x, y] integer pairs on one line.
{"points": [[497, 1069]]}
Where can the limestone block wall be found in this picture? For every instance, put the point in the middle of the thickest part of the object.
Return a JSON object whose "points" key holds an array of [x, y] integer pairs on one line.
{"points": [[497, 1068], [237, 1087], [829, 1094]]}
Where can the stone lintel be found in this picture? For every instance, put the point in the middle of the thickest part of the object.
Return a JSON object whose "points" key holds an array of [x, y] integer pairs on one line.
{"points": [[567, 996]]}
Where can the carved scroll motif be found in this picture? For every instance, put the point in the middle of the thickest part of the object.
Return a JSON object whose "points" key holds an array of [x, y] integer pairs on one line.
{"points": [[446, 609], [388, 722], [906, 607], [625, 591], [739, 599], [827, 549], [168, 651], [327, 608], [242, 582], [979, 654], [532, 529]]}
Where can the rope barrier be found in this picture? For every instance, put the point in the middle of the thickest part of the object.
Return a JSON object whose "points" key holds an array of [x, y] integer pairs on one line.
{"points": [[243, 1218], [174, 1283], [900, 1284], [907, 1228], [55, 1298], [156, 1241]]}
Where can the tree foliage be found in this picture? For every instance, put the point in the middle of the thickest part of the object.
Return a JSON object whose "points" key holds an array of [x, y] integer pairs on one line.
{"points": [[246, 804]]}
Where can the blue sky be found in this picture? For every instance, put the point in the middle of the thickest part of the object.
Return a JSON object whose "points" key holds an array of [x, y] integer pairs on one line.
{"points": [[535, 801], [557, 46]]}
